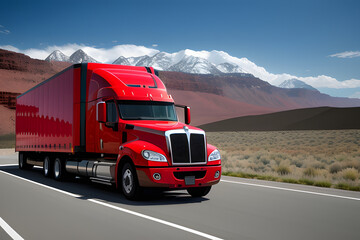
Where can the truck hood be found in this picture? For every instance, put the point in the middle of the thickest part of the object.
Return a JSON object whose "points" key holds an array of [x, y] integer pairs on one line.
{"points": [[160, 127]]}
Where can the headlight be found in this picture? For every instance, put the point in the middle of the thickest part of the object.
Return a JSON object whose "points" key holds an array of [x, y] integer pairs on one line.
{"points": [[153, 156], [215, 155]]}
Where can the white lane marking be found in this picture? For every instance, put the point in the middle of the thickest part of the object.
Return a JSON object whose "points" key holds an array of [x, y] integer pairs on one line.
{"points": [[42, 185], [292, 190], [11, 232], [8, 165], [156, 220], [125, 210], [14, 165]]}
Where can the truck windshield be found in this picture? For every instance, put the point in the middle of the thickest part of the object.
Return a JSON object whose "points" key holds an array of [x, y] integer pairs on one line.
{"points": [[141, 110]]}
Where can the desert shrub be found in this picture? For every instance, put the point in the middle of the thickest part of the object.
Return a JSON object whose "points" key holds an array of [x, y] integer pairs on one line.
{"points": [[341, 158], [352, 164], [265, 161], [289, 180], [318, 165], [322, 184], [283, 170], [298, 163], [335, 167], [311, 172], [267, 178], [350, 174], [346, 186], [306, 181], [239, 174]]}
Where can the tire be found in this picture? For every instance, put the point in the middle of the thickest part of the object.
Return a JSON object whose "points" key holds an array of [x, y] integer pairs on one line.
{"points": [[22, 161], [47, 167], [129, 182], [23, 165], [59, 172], [199, 191]]}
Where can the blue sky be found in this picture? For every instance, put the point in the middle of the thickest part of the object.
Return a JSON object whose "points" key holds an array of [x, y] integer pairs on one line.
{"points": [[294, 37]]}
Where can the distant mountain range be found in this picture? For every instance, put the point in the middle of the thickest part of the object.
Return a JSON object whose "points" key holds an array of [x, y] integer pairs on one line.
{"points": [[186, 61]]}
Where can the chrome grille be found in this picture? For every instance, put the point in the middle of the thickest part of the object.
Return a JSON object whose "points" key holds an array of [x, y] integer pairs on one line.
{"points": [[186, 146]]}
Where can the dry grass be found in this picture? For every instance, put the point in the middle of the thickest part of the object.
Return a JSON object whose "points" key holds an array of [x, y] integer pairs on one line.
{"points": [[327, 158]]}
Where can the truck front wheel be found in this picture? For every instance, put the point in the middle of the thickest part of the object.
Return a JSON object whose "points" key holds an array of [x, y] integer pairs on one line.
{"points": [[199, 191], [129, 182], [59, 170]]}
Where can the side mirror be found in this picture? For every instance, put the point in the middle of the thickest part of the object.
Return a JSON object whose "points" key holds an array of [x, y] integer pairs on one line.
{"points": [[187, 115], [101, 112]]}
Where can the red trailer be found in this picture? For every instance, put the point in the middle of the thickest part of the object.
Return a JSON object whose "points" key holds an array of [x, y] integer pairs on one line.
{"points": [[115, 125]]}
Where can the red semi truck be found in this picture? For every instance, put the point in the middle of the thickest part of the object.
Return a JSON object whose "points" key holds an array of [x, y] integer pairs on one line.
{"points": [[116, 125]]}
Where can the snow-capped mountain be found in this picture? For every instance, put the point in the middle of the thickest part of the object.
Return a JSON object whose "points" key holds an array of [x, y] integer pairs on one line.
{"points": [[81, 57], [187, 61], [160, 61], [130, 60], [229, 68], [77, 57], [122, 61], [193, 64], [295, 83], [57, 55]]}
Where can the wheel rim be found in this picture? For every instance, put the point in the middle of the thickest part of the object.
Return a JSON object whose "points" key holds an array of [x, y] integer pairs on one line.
{"points": [[57, 169], [127, 181], [46, 166]]}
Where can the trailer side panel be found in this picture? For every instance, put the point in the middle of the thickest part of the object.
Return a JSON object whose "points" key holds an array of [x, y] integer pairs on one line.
{"points": [[45, 120]]}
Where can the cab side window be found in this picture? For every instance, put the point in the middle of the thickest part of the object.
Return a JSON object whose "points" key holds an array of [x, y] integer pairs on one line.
{"points": [[111, 114]]}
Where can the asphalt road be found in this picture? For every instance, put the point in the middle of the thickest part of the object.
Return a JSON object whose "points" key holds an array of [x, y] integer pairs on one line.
{"points": [[34, 207]]}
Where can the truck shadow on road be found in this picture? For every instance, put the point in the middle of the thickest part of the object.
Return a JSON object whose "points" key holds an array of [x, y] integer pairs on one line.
{"points": [[89, 190]]}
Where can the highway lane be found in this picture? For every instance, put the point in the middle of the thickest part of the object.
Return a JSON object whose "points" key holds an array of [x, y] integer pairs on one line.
{"points": [[230, 211]]}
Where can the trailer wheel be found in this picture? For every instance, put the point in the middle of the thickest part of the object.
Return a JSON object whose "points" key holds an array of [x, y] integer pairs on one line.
{"points": [[23, 165], [199, 191], [129, 182], [47, 167], [59, 170], [21, 161]]}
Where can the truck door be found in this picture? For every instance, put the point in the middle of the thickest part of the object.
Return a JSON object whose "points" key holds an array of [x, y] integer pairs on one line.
{"points": [[109, 133]]}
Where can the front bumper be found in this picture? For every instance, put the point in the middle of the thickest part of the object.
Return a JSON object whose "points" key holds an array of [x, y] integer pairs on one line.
{"points": [[173, 177]]}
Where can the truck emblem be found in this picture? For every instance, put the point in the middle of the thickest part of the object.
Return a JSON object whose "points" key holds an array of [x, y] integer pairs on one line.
{"points": [[186, 129]]}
